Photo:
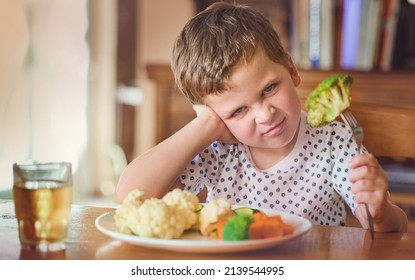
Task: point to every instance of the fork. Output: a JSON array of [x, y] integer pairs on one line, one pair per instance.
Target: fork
[[357, 131]]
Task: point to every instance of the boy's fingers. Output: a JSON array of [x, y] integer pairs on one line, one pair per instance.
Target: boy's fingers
[[363, 159], [367, 172]]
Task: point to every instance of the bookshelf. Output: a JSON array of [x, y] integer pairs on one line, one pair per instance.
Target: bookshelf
[[362, 35]]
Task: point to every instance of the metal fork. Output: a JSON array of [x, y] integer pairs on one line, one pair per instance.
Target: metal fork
[[357, 130]]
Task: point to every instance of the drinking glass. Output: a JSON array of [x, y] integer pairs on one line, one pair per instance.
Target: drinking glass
[[42, 194]]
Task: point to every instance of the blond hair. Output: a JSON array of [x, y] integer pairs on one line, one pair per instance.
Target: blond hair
[[216, 40]]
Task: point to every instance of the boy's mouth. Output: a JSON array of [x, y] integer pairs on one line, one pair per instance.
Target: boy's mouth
[[276, 129]]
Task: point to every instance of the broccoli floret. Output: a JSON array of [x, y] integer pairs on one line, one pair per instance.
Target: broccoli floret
[[237, 228], [327, 101]]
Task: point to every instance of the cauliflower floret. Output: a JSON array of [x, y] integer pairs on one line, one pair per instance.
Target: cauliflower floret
[[134, 197], [182, 199], [162, 218], [126, 213], [211, 213], [184, 202], [158, 219]]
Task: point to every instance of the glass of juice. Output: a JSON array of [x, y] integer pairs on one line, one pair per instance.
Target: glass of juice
[[42, 193]]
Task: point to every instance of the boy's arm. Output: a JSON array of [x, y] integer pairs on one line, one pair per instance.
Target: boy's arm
[[156, 171]]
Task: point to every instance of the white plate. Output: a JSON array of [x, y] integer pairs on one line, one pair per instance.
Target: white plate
[[195, 242]]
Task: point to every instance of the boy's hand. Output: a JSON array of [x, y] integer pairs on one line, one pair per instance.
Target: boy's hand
[[370, 185], [220, 130]]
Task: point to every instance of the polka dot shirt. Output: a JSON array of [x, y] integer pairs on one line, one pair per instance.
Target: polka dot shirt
[[312, 181]]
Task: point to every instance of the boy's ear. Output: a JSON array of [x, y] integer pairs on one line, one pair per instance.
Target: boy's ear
[[293, 72]]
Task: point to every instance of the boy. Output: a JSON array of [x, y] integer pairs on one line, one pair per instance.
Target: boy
[[250, 141]]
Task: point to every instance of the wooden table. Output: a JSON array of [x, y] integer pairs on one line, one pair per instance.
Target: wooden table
[[85, 242]]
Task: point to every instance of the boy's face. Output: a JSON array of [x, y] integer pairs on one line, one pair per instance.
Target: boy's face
[[260, 105]]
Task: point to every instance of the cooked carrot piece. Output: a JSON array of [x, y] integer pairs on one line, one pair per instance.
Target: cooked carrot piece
[[268, 226], [273, 228], [288, 229], [256, 229], [259, 216]]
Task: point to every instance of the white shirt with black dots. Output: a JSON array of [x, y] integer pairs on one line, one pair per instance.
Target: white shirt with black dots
[[312, 181]]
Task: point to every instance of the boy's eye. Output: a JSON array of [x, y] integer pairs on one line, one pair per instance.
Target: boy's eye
[[238, 111], [269, 89]]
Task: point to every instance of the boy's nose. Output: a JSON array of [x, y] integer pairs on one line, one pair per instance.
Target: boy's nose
[[264, 113]]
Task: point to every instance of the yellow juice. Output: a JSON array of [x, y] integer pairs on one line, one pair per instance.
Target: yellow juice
[[42, 210]]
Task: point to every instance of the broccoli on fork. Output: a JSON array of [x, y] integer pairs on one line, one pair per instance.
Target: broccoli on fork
[[327, 101]]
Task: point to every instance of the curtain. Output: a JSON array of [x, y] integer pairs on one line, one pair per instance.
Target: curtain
[[44, 68]]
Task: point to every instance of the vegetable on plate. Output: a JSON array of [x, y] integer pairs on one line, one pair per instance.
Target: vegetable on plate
[[251, 224]]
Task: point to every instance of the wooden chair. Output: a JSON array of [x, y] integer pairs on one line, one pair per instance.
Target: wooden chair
[[389, 132]]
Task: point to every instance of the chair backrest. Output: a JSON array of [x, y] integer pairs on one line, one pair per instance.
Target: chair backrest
[[389, 131]]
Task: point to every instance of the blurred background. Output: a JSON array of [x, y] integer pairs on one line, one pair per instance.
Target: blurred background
[[73, 85], [89, 82]]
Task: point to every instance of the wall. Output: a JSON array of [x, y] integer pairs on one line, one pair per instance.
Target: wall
[[159, 23], [74, 117], [44, 61]]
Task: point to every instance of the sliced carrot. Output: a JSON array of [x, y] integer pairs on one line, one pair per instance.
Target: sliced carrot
[[265, 226], [273, 228], [256, 229], [288, 229], [259, 216]]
